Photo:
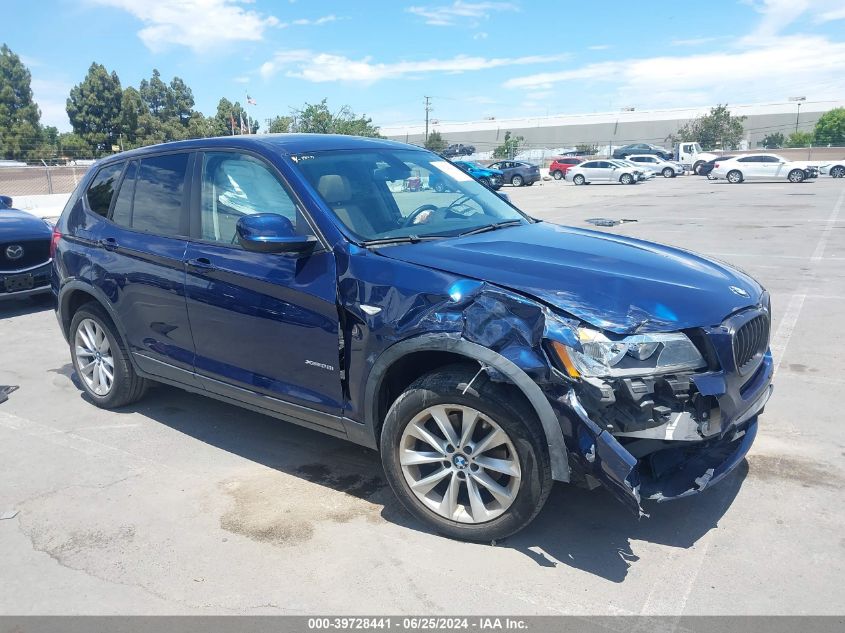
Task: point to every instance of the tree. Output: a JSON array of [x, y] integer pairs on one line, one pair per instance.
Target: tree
[[132, 109], [510, 147], [800, 139], [717, 129], [94, 108], [180, 101], [773, 141], [228, 119], [435, 142], [830, 128], [20, 129], [71, 145], [316, 118], [280, 124], [200, 126], [155, 95]]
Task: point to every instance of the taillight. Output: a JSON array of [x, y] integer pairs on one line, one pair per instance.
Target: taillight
[[54, 241], [716, 166]]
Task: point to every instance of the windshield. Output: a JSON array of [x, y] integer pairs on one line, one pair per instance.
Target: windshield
[[385, 193]]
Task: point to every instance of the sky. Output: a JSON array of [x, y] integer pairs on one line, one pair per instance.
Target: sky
[[475, 59]]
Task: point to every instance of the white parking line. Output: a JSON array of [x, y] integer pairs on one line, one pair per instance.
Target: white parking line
[[787, 325], [833, 219]]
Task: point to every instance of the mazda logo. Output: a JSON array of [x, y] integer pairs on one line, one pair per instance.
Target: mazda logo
[[15, 251]]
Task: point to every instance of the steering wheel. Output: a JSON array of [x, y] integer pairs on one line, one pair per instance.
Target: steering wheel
[[409, 221]]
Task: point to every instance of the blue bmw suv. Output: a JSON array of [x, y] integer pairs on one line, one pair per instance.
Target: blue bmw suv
[[483, 353]]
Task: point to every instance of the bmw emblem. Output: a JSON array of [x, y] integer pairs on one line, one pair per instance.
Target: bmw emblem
[[739, 291], [14, 251]]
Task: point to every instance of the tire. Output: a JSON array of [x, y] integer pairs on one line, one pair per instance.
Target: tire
[[626, 179], [484, 181], [522, 475], [734, 176], [837, 171], [517, 181], [557, 174], [796, 176], [579, 179], [696, 169], [668, 172], [94, 340], [439, 187]]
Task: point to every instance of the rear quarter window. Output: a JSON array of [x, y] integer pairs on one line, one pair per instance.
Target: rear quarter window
[[159, 205], [101, 190]]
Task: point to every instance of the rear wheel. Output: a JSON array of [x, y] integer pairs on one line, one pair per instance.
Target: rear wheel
[[579, 179], [838, 171], [517, 181], [557, 174], [464, 456], [101, 361], [626, 179], [734, 176], [796, 175], [668, 172]]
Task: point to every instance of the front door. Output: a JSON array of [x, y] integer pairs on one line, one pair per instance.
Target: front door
[[265, 325]]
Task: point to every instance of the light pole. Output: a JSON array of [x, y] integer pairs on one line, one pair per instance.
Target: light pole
[[797, 101]]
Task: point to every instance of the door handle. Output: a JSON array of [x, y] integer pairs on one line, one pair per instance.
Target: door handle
[[200, 263], [109, 243]]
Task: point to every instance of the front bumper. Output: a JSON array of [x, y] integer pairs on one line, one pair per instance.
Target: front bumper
[[18, 284]]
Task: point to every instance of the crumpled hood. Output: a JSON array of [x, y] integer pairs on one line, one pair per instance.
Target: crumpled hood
[[612, 282], [20, 225]]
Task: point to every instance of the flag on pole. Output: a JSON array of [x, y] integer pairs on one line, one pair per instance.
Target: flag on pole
[[250, 100]]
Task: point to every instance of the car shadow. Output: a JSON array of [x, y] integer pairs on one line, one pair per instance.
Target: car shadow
[[28, 305], [586, 530]]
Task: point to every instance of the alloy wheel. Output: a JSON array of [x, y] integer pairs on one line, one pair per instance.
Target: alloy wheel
[[459, 463], [94, 358], [516, 181], [838, 172]]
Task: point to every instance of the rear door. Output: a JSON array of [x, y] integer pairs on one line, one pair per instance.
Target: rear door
[[751, 168], [141, 268], [265, 325]]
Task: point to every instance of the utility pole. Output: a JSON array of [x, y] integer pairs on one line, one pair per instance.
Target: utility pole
[[428, 109]]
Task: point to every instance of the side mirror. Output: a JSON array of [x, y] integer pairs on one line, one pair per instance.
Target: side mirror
[[6, 201], [272, 233]]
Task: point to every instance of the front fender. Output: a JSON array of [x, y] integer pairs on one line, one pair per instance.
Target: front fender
[[486, 357]]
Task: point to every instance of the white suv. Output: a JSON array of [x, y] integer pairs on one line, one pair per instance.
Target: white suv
[[668, 168]]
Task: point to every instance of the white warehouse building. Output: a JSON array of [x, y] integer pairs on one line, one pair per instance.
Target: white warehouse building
[[614, 129]]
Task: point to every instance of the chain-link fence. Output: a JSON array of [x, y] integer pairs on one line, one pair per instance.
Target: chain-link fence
[[32, 180]]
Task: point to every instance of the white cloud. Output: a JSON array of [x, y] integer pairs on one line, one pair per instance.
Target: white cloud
[[326, 19], [459, 12], [789, 65], [481, 35], [323, 67], [695, 41], [198, 24], [598, 47]]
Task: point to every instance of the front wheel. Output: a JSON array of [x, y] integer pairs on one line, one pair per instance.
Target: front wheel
[[697, 168], [464, 456], [579, 179], [838, 171], [734, 176], [796, 175], [517, 181], [626, 179], [668, 172], [484, 181], [439, 187]]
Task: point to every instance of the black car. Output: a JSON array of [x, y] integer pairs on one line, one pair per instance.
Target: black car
[[24, 252], [458, 149], [706, 168], [642, 148], [517, 173]]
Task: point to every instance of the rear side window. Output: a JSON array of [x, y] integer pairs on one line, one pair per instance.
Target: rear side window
[[159, 196], [101, 189], [122, 212]]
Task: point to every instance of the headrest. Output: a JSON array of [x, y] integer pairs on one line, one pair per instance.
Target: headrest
[[334, 188]]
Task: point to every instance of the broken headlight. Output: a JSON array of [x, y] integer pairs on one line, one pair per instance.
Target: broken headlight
[[634, 355]]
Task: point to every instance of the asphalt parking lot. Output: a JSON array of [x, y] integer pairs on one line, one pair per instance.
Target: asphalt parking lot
[[181, 504]]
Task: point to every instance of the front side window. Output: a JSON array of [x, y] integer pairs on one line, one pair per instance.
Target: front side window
[[235, 185], [101, 189], [159, 206], [385, 194]]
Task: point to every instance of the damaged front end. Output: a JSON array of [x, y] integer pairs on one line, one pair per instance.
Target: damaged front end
[[662, 431]]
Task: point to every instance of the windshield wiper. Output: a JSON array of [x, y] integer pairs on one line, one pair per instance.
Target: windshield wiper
[[490, 227], [404, 239]]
